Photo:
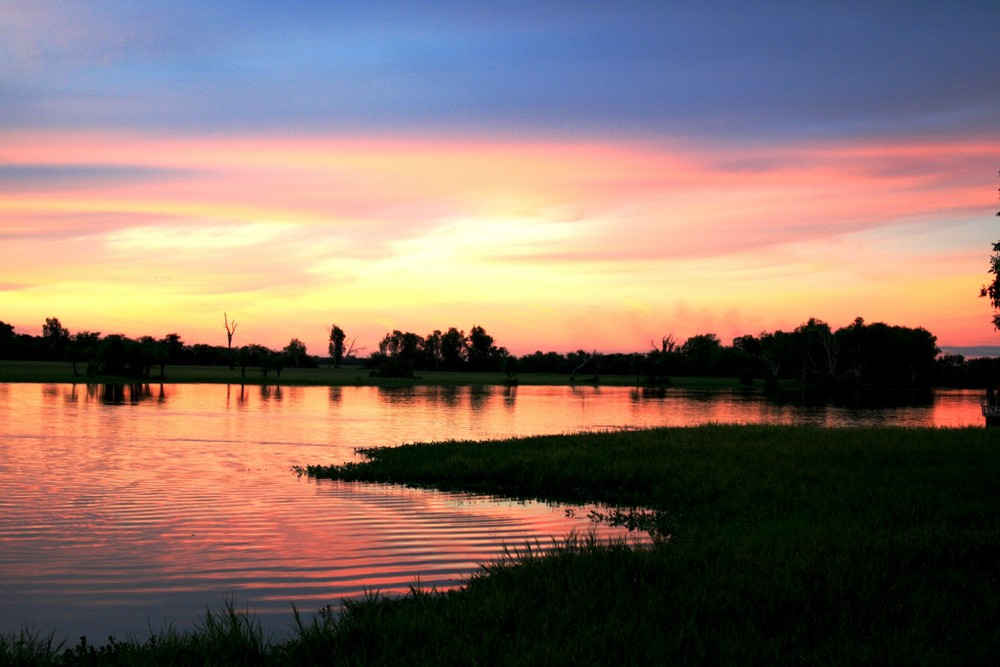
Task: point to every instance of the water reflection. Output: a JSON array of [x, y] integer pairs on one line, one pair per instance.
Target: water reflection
[[126, 506], [489, 409], [858, 399], [271, 392]]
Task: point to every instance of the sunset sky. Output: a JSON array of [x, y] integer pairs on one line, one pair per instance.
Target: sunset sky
[[565, 174]]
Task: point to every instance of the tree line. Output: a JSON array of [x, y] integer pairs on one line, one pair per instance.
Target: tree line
[[146, 357], [859, 354]]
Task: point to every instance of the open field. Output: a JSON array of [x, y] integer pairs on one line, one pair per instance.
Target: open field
[[62, 372], [774, 545]]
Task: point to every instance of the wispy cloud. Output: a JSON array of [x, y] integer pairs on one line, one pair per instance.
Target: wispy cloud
[[616, 171]]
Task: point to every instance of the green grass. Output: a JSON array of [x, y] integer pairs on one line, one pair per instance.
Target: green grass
[[62, 372], [776, 545]]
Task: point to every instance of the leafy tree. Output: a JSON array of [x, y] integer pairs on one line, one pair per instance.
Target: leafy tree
[[483, 354], [278, 362], [510, 369], [337, 337], [172, 347], [150, 352], [7, 340], [85, 347], [432, 350], [853, 343], [295, 352], [701, 354], [398, 354], [919, 349], [453, 348], [992, 291], [114, 353], [814, 351], [258, 355], [55, 337], [244, 358]]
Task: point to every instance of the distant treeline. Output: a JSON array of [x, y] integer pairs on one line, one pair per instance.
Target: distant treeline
[[859, 354], [142, 358]]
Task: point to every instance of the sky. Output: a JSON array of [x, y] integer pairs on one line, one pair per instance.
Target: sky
[[567, 175]]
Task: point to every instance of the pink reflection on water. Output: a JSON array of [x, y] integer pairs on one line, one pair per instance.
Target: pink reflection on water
[[130, 507], [127, 508]]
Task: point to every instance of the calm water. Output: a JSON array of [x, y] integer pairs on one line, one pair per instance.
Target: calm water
[[124, 509]]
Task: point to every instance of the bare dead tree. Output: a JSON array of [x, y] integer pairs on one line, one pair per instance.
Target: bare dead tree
[[230, 330], [351, 349], [667, 344]]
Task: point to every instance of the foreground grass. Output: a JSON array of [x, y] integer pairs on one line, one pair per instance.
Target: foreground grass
[[353, 376], [777, 545]]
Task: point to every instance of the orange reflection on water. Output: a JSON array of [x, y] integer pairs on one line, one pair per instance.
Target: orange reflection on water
[[126, 507]]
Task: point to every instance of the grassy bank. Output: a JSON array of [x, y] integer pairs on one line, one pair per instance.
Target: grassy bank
[[61, 372], [778, 545]]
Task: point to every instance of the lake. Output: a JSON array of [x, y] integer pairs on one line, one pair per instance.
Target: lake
[[126, 508]]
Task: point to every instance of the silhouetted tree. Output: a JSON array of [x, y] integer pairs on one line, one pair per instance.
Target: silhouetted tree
[[6, 340], [55, 337], [114, 353], [745, 358], [776, 350], [655, 367], [151, 352], [278, 362], [853, 344], [398, 354], [432, 350], [453, 348], [337, 337], [586, 362], [814, 354], [992, 290], [701, 354], [230, 330], [172, 347], [295, 352], [510, 366], [483, 354], [84, 348], [919, 348]]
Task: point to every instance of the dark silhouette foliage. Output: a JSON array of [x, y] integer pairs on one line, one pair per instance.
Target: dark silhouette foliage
[[337, 338], [860, 354]]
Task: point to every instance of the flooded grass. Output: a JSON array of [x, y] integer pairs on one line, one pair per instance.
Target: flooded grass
[[788, 545]]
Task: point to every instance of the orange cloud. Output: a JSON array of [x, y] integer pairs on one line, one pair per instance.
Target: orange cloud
[[548, 245]]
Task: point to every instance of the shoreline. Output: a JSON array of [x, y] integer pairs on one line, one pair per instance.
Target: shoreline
[[774, 544]]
